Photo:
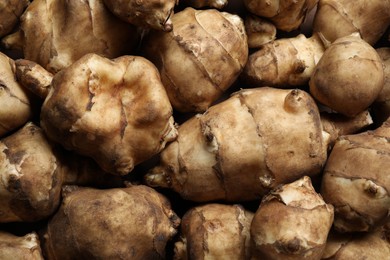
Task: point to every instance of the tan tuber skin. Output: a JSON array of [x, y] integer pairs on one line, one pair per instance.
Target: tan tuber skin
[[10, 11], [348, 77], [16, 104], [134, 222], [280, 145], [292, 222], [284, 63], [200, 58], [356, 180], [338, 18], [259, 31], [25, 247], [155, 14], [32, 172], [218, 4], [50, 30], [214, 231], [287, 15], [114, 111]]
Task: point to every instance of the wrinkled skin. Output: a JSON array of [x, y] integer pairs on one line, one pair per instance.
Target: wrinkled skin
[[214, 231], [52, 28], [24, 247], [238, 151], [301, 227], [134, 222], [287, 15], [155, 14], [114, 111], [10, 11], [356, 180], [200, 58], [348, 77], [16, 103]]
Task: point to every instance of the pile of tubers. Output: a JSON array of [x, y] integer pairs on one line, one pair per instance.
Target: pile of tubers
[[182, 129]]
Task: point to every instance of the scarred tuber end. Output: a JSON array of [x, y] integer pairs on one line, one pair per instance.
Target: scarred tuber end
[[157, 177], [168, 26], [294, 101]]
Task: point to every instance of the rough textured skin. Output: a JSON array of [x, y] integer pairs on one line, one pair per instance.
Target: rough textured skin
[[155, 14], [218, 4], [301, 227], [339, 18], [16, 108], [115, 111], [287, 15], [284, 62], [200, 58], [372, 245], [215, 231], [26, 247], [259, 31], [348, 77], [356, 180], [64, 24], [31, 176], [10, 11], [238, 150], [134, 222], [381, 106]]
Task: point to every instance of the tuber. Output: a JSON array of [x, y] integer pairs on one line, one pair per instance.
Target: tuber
[[155, 14], [259, 31], [120, 223], [218, 4], [26, 247], [292, 222], [356, 180], [348, 77], [200, 58], [284, 63], [244, 146], [10, 11], [214, 231]]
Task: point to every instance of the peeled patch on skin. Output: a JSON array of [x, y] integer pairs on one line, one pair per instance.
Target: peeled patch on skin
[[115, 111]]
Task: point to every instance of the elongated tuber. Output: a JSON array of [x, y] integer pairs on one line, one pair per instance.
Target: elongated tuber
[[284, 63], [134, 222], [200, 58], [20, 247], [292, 222], [215, 231], [356, 180], [280, 145]]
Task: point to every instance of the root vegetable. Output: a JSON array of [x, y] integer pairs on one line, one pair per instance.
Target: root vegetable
[[200, 58], [134, 222], [285, 62], [16, 106], [287, 15], [215, 231], [50, 30], [20, 247], [114, 111], [348, 77], [356, 180], [238, 150], [338, 18], [259, 31], [154, 14], [292, 222], [10, 11], [218, 4]]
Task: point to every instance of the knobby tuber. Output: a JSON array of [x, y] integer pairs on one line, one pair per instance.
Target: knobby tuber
[[134, 222], [155, 14], [285, 62], [50, 30], [356, 180], [338, 18], [259, 31], [214, 231], [10, 11], [348, 77], [287, 15], [200, 58], [25, 247], [114, 111], [280, 145], [292, 222]]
